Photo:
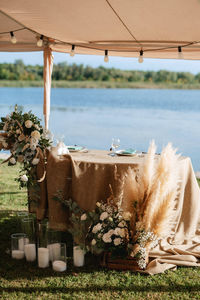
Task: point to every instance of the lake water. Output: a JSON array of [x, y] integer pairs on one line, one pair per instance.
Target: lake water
[[91, 117]]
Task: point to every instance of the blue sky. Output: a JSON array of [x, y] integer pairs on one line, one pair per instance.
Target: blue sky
[[116, 62]]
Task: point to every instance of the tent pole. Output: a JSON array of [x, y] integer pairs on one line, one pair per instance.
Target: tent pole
[[47, 71]]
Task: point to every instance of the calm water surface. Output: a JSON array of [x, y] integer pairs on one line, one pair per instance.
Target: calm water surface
[[91, 117]]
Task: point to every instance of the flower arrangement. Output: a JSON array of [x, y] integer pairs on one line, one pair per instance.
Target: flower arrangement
[[110, 229], [154, 190], [23, 135], [106, 228]]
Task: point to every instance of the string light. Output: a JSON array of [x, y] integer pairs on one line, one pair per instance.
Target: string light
[[180, 53], [40, 41], [106, 58], [13, 38], [140, 58], [72, 53]]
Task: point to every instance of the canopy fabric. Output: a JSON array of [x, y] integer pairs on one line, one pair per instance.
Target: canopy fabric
[[93, 26]]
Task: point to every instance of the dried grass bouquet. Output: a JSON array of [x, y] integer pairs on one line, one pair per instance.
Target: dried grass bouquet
[[154, 190]]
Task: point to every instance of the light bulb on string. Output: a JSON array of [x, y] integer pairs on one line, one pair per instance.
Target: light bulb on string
[[13, 38], [140, 58], [40, 41], [106, 58], [180, 53], [72, 53]]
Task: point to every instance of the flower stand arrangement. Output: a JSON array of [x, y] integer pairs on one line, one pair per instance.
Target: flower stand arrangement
[[104, 231], [23, 135]]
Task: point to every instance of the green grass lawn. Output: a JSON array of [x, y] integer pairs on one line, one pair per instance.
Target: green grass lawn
[[21, 280]]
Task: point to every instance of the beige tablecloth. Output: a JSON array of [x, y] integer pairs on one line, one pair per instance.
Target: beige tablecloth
[[85, 177]]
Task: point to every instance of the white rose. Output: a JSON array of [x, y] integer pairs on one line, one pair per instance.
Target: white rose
[[83, 217], [106, 238], [28, 124], [119, 231], [98, 204], [35, 134], [37, 127], [12, 161], [122, 233], [110, 232], [103, 216], [18, 131], [21, 137], [99, 235], [126, 216], [117, 241], [33, 147], [33, 140], [96, 228], [24, 178], [122, 224], [93, 242], [35, 161]]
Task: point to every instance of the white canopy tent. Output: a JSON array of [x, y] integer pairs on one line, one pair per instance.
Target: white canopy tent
[[129, 28]]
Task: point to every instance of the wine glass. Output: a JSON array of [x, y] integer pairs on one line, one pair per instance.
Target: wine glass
[[115, 144], [59, 138]]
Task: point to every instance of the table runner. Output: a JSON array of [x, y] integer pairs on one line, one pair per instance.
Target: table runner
[[85, 177]]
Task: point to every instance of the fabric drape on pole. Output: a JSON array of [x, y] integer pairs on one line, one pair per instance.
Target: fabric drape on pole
[[48, 68]]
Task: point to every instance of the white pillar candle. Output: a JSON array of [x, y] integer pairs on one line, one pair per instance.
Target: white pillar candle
[[21, 244], [78, 256], [26, 241], [30, 252], [59, 266], [54, 251], [17, 254], [43, 257]]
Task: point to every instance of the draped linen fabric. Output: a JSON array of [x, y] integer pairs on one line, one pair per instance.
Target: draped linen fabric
[[48, 68], [87, 177]]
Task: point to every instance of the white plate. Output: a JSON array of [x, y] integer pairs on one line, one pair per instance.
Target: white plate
[[75, 150], [122, 153]]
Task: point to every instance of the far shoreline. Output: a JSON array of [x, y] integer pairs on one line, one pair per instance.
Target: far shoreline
[[100, 85]]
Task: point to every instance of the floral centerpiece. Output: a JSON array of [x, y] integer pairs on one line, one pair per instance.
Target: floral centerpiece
[[110, 229], [23, 135], [104, 229]]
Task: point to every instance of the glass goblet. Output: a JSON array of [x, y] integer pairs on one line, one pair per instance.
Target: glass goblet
[[115, 144]]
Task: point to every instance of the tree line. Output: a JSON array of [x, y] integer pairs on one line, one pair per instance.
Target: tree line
[[73, 72]]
